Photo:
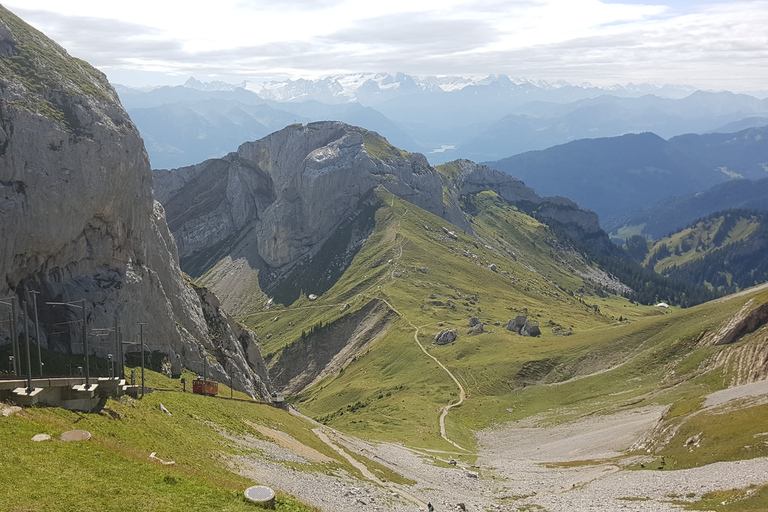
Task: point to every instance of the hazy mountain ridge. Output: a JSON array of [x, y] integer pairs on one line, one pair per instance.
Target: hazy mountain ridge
[[675, 213], [614, 176], [369, 88], [475, 118]]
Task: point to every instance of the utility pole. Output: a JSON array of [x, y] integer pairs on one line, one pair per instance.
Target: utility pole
[[12, 366], [14, 335], [141, 334], [30, 389], [37, 333], [117, 350], [85, 346], [205, 372], [85, 337]]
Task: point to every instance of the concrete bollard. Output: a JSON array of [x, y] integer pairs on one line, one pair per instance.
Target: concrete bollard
[[262, 496]]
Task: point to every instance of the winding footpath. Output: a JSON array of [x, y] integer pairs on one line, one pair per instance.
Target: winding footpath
[[462, 393]]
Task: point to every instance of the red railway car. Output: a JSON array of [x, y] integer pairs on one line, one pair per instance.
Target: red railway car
[[211, 387]]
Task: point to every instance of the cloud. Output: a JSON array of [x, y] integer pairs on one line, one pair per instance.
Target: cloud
[[104, 44], [710, 43], [417, 33]]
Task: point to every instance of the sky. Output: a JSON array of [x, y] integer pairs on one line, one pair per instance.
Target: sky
[[709, 44]]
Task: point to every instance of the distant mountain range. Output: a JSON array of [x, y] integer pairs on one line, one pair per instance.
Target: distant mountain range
[[675, 213], [443, 117], [617, 175]]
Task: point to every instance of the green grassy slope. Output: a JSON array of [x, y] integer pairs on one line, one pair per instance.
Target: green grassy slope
[[392, 390], [113, 470], [724, 250], [619, 354]]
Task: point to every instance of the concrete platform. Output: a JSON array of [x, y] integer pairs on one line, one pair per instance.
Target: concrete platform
[[26, 398]]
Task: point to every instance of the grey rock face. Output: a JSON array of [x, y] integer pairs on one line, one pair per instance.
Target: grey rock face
[[524, 327], [78, 219], [295, 185], [277, 200], [473, 178], [446, 336]]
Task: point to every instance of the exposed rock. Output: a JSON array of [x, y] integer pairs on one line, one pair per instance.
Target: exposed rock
[[41, 437], [277, 200], [747, 320], [478, 329], [471, 178], [79, 220], [446, 336], [312, 297], [451, 234], [493, 267], [474, 321], [8, 410], [325, 351], [524, 327]]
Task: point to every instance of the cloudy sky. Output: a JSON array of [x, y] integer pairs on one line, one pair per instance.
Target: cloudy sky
[[707, 43]]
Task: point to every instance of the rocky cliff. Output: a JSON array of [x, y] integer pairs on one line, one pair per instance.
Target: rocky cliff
[[463, 177], [79, 221], [291, 206], [276, 202]]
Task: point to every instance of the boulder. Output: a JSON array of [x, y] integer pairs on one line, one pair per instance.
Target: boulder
[[446, 336], [524, 327]]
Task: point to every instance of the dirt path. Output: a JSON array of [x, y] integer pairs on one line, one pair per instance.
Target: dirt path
[[322, 435], [462, 393]]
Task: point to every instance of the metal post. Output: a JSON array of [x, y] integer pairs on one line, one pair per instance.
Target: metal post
[[37, 333], [205, 373], [117, 349], [85, 346], [15, 339], [26, 337], [122, 352], [141, 330], [12, 357]]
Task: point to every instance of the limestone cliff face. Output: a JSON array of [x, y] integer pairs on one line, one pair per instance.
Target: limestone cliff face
[[77, 213], [465, 177], [298, 183], [277, 201], [271, 207]]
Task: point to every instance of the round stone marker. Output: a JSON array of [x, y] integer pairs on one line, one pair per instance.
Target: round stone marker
[[41, 437], [261, 495], [75, 435]]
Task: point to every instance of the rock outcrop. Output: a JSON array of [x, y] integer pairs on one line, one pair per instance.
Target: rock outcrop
[[747, 320], [446, 336], [272, 207], [275, 202], [524, 327], [78, 219], [464, 177]]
